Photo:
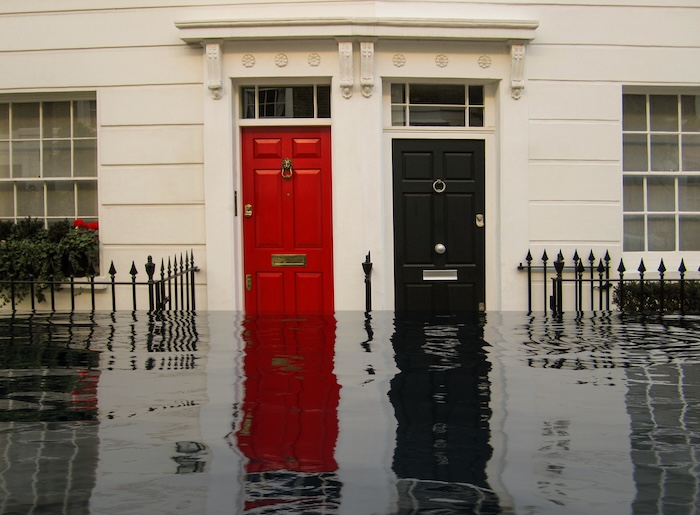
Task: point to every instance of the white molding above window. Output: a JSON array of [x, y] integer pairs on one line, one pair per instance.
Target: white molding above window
[[196, 31]]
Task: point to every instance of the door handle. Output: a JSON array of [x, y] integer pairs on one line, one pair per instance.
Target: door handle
[[479, 220], [248, 210], [440, 248], [248, 282]]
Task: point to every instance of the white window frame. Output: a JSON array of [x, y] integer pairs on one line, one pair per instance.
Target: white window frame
[[645, 175], [42, 182]]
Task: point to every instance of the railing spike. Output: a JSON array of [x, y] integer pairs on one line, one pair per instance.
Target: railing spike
[[133, 270], [591, 257], [576, 258], [682, 269], [607, 257], [528, 258], [662, 267], [621, 268], [580, 268], [641, 267], [601, 267], [545, 257], [560, 256], [112, 270]]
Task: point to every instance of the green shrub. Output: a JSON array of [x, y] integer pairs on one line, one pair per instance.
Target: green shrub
[[630, 298], [31, 252]]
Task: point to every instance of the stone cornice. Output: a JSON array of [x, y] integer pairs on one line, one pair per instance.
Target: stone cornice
[[389, 28]]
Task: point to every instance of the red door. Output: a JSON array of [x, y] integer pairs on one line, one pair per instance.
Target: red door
[[287, 229]]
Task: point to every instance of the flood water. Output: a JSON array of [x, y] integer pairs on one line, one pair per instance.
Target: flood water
[[218, 413]]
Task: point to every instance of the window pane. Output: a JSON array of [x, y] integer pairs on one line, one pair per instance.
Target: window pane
[[398, 116], [689, 193], [85, 155], [476, 95], [633, 233], [689, 229], [663, 112], [691, 152], [437, 116], [25, 121], [57, 158], [30, 199], [690, 113], [323, 101], [248, 102], [4, 121], [661, 233], [661, 194], [7, 200], [56, 119], [4, 160], [85, 116], [271, 102], [476, 117], [60, 200], [633, 194], [634, 153], [87, 199], [664, 153], [437, 94], [25, 159], [634, 113], [398, 93], [303, 102]]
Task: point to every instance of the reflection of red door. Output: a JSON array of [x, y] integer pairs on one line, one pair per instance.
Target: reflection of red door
[[291, 395], [287, 224]]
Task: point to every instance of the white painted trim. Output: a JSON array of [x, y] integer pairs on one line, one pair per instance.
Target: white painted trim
[[197, 31]]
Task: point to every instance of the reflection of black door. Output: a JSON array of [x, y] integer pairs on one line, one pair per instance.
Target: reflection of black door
[[439, 225], [441, 402]]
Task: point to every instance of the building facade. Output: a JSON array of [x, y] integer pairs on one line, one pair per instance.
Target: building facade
[[287, 143]]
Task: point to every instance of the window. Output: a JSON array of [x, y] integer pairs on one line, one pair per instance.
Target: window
[[285, 102], [661, 172], [437, 105], [48, 160]]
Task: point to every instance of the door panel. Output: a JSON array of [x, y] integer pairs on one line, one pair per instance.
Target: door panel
[[438, 192], [287, 230]]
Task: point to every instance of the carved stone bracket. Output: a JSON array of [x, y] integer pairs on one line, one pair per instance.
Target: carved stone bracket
[[367, 67], [212, 54], [517, 69], [346, 67]]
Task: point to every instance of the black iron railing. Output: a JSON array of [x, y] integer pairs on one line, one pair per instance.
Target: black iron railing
[[581, 284], [171, 288]]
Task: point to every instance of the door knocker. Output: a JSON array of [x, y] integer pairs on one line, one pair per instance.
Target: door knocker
[[286, 168], [439, 186]]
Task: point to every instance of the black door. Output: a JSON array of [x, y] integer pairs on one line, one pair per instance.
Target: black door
[[439, 225]]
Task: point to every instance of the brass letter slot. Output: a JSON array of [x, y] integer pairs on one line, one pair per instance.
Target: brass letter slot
[[288, 259]]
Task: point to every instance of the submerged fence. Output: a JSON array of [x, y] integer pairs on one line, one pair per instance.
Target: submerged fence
[[591, 283], [170, 288]]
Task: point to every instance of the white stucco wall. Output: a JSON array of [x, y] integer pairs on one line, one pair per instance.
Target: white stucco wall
[[169, 157]]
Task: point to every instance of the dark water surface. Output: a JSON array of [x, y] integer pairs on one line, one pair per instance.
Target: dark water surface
[[217, 413]]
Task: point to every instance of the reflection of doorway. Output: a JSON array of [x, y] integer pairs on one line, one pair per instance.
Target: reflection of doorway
[[290, 415], [439, 203], [441, 402], [287, 224]]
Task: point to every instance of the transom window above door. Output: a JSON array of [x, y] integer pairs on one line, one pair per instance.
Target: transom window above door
[[437, 105], [306, 101]]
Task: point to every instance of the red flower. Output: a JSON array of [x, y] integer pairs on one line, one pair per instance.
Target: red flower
[[79, 223], [93, 226]]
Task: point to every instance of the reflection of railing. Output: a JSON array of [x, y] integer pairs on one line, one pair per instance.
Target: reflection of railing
[[593, 287], [172, 289]]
